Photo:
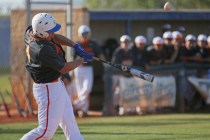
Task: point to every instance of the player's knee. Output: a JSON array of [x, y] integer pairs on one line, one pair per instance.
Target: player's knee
[[46, 137], [47, 134]]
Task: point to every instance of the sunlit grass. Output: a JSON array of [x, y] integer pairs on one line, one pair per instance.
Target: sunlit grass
[[151, 127], [4, 82]]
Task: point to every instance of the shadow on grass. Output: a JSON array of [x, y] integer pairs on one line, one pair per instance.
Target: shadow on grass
[[14, 131], [142, 134], [191, 119], [135, 124]]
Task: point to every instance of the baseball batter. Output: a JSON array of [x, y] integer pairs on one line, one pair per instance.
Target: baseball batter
[[45, 63]]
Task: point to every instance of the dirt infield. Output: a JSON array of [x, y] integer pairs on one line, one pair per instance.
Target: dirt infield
[[15, 117]]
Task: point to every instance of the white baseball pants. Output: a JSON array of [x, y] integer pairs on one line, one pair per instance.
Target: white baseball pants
[[84, 84], [54, 109]]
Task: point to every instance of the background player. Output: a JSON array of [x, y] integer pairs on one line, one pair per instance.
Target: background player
[[84, 73]]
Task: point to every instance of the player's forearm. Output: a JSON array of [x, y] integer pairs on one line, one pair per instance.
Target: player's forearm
[[71, 65], [62, 40]]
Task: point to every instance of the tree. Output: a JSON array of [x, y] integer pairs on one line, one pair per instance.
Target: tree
[[146, 4]]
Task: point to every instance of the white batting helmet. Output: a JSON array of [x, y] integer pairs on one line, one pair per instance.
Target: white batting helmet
[[124, 38], [83, 29], [140, 39], [44, 23], [202, 37]]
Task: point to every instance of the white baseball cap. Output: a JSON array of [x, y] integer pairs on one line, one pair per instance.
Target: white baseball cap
[[83, 29], [202, 37], [190, 37], [140, 39], [157, 40], [124, 38], [167, 35], [176, 35]]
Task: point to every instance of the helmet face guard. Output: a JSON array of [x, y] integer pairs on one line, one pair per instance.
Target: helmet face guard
[[43, 24]]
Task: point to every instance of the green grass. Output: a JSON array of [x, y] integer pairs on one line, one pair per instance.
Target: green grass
[[151, 127], [4, 83]]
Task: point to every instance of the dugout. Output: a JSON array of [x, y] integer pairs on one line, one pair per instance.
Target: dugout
[[113, 24], [104, 24]]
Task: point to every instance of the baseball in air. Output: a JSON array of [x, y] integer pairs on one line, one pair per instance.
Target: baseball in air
[[167, 6]]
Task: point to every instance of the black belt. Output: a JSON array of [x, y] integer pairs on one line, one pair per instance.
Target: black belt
[[56, 80]]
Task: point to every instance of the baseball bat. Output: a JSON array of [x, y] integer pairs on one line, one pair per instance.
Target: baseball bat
[[134, 72], [21, 111], [5, 105]]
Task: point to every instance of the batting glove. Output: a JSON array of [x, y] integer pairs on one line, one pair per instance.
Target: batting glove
[[88, 57], [79, 50]]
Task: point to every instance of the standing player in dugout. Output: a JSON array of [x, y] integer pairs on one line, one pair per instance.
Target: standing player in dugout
[[45, 62], [84, 75]]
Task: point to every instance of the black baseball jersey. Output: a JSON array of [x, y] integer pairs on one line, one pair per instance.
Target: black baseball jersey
[[44, 58], [139, 57], [184, 52], [120, 56], [169, 50], [204, 52], [154, 55]]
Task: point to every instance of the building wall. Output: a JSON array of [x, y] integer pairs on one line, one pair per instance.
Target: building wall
[[101, 30]]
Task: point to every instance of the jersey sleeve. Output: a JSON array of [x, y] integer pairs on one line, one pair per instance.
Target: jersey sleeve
[[117, 56], [50, 58], [97, 48]]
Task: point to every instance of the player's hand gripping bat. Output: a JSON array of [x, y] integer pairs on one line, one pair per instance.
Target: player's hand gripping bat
[[132, 71]]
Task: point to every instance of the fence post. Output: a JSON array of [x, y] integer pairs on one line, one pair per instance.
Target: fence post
[[108, 92], [181, 85]]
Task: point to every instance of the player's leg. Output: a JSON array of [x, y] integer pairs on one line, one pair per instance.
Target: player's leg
[[68, 122], [87, 88], [79, 79], [84, 84], [50, 109]]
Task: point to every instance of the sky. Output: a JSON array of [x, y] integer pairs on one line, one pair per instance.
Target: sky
[[5, 4]]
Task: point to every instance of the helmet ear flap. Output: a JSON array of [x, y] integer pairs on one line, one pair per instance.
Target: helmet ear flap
[[43, 34]]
